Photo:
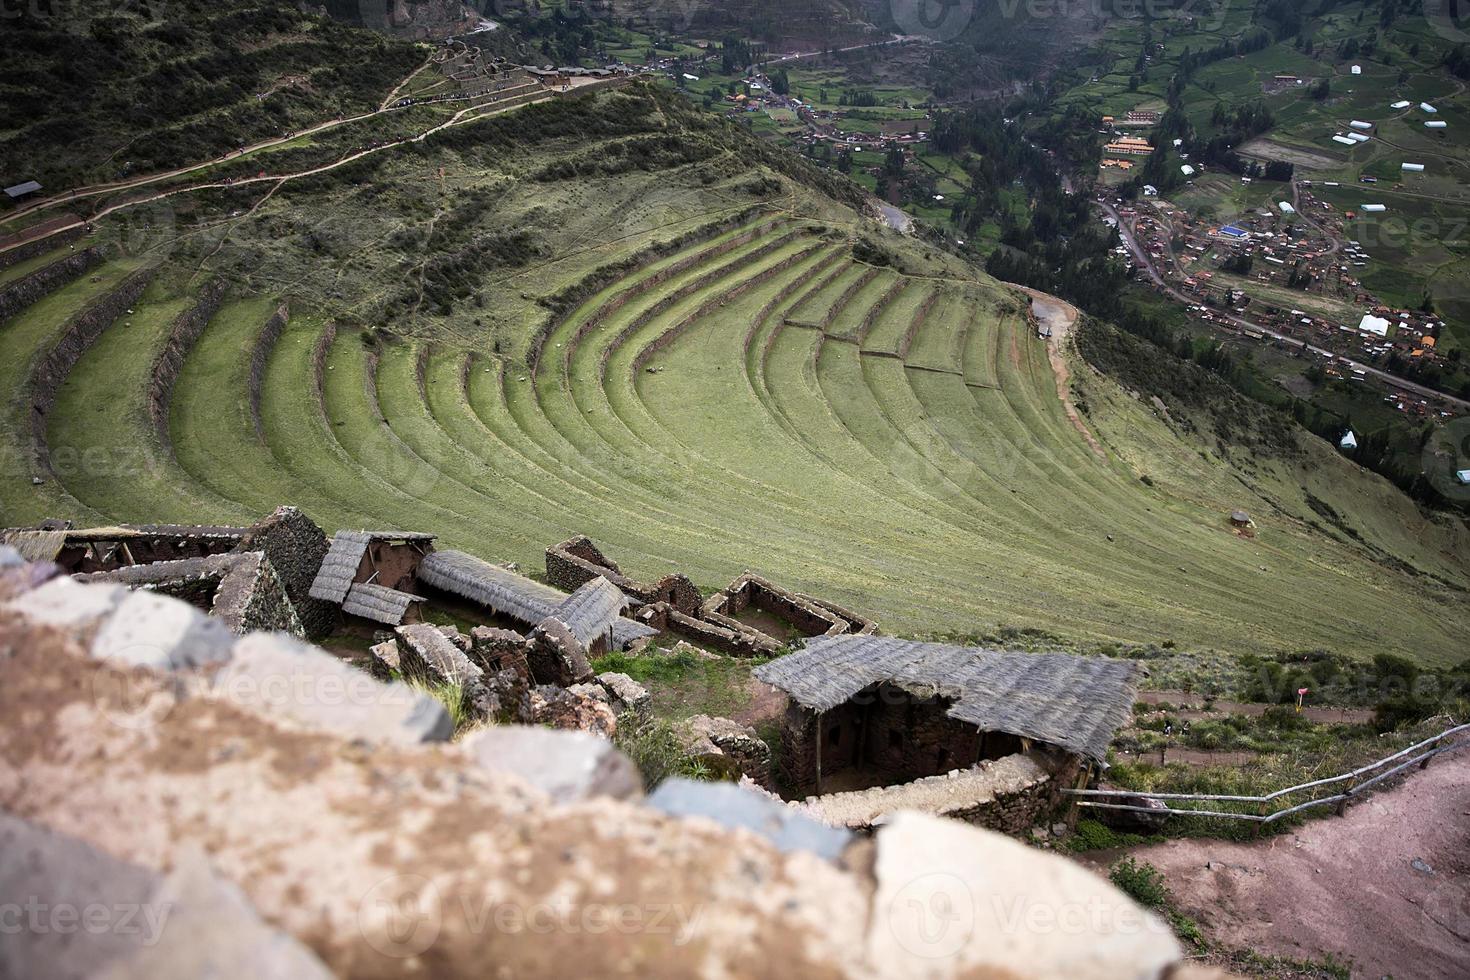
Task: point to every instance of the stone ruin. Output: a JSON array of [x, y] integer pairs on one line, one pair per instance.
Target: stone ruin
[[255, 577], [263, 808], [674, 605]]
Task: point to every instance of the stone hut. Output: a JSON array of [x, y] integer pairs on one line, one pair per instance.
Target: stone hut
[[369, 573], [871, 711]]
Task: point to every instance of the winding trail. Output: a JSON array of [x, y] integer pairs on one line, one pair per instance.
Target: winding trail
[[1059, 317]]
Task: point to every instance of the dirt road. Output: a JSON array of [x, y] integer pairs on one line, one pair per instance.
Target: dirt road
[[1058, 317], [1387, 885]]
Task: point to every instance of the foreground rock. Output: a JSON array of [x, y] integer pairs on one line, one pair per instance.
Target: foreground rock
[[385, 858]]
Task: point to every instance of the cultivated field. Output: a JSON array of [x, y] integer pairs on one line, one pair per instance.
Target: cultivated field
[[756, 398]]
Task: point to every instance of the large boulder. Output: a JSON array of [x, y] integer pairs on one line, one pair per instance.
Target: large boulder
[[84, 913], [982, 904], [567, 766], [303, 686]]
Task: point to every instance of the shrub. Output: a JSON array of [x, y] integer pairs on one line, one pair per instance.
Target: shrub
[[1141, 882]]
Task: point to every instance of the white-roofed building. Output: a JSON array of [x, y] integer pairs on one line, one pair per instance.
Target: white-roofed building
[[1376, 325]]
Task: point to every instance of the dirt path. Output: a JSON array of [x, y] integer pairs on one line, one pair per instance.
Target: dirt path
[[1387, 885], [1059, 317]]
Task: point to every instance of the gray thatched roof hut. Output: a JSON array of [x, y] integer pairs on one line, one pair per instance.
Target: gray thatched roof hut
[[1077, 703], [344, 558], [378, 603], [509, 594], [593, 610], [339, 568]]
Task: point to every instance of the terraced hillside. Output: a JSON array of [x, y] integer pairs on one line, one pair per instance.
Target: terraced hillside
[[755, 399]]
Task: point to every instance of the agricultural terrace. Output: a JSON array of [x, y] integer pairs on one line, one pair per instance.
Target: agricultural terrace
[[756, 398]]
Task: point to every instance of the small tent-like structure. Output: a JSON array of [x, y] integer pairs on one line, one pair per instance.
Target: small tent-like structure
[[1348, 442]]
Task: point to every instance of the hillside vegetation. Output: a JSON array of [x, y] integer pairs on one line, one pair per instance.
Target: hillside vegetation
[[707, 365], [92, 94]]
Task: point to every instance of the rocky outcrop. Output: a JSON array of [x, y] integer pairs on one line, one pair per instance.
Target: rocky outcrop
[[46, 280], [383, 856]]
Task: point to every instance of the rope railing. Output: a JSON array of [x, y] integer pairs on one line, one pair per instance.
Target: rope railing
[[1413, 753]]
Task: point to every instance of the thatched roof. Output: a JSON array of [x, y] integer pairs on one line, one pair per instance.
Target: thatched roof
[[503, 591], [339, 568], [1077, 703], [592, 610], [378, 603], [36, 545]]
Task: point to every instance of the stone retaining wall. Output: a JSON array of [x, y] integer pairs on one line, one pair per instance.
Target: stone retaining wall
[[672, 298], [260, 353], [671, 334], [1010, 795], [45, 280], [564, 303], [752, 590], [28, 251], [49, 371], [181, 339], [920, 316]]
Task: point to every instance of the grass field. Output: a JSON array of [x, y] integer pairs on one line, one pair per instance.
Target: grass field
[[758, 399]]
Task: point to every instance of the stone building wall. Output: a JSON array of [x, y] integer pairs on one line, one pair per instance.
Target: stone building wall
[[749, 590], [47, 375], [577, 561], [45, 280], [253, 598], [295, 547]]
